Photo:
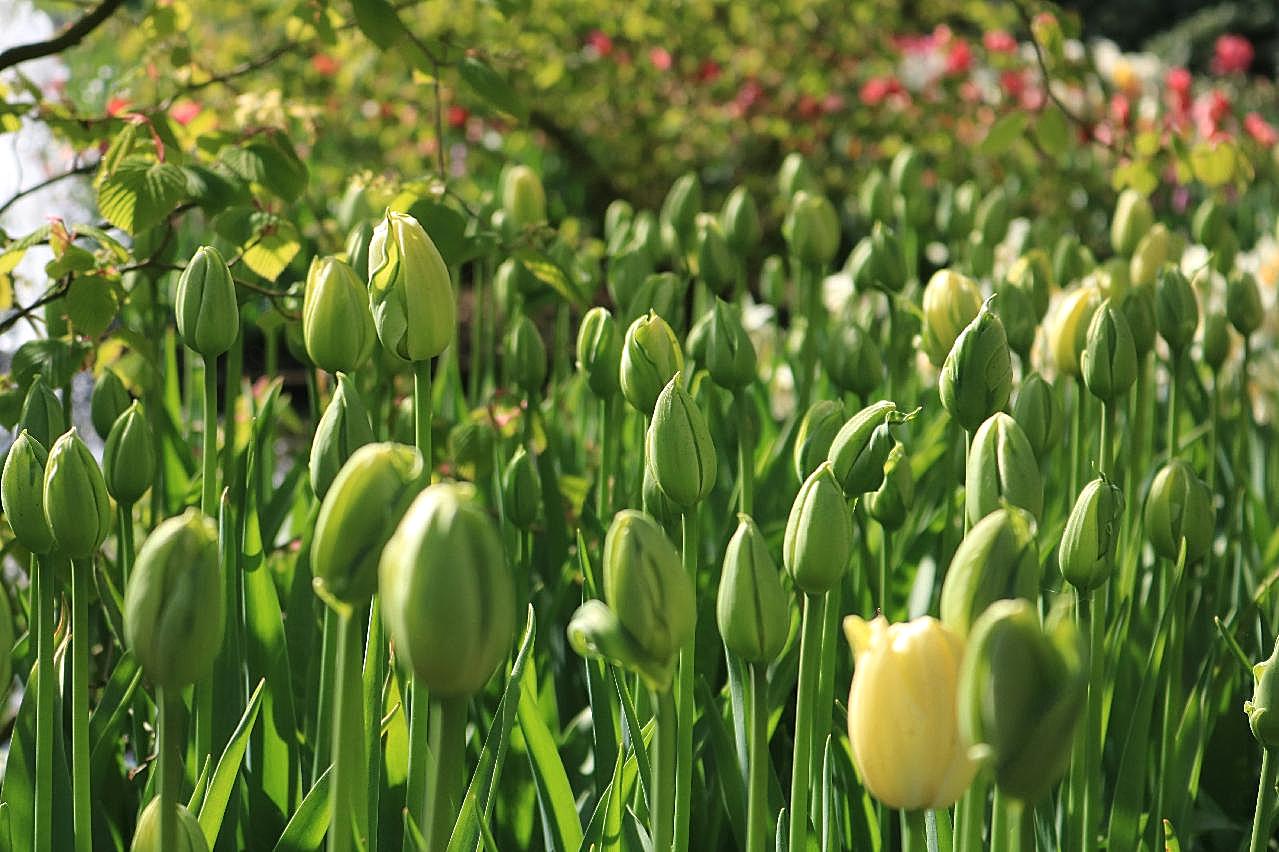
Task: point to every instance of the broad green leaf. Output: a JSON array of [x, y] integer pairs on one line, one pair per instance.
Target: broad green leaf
[[1003, 133], [213, 808], [92, 305], [120, 148], [1052, 131], [57, 359], [1213, 163], [445, 225], [270, 253], [139, 194], [216, 188], [270, 161], [309, 823], [492, 87], [554, 794]]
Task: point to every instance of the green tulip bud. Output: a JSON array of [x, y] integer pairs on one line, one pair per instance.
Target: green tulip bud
[[42, 413], [1087, 548], [1022, 690], [951, 301], [852, 360], [521, 490], [108, 402], [1154, 250], [410, 291], [819, 534], [1038, 413], [448, 594], [75, 498], [679, 448], [875, 198], [955, 209], [1179, 506], [1208, 222], [189, 836], [599, 351], [208, 314], [1176, 310], [1223, 254], [714, 260], [173, 602], [618, 217], [1032, 273], [679, 213], [22, 494], [646, 235], [128, 460], [1263, 716], [877, 262], [992, 216], [860, 448], [1243, 303], [342, 430], [740, 219], [523, 198], [1113, 278], [751, 608], [655, 501], [524, 355], [896, 495], [1138, 305], [1133, 218], [1216, 340], [981, 256], [697, 343], [977, 376], [650, 357], [1001, 469], [1109, 360], [794, 176], [627, 272], [811, 229], [349, 538], [336, 324], [906, 171], [817, 430], [1066, 327], [470, 444], [730, 355], [662, 294], [997, 559], [357, 253], [772, 280], [1015, 306]]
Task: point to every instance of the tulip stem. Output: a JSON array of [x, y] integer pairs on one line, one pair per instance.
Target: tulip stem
[[686, 708], [124, 541], [327, 694], [166, 735], [1264, 813], [757, 829], [915, 832], [81, 569], [209, 506], [416, 786], [970, 816], [883, 570], [810, 649], [1174, 370], [745, 454], [1021, 817], [665, 746], [445, 764], [606, 447], [44, 590], [1105, 464], [347, 790]]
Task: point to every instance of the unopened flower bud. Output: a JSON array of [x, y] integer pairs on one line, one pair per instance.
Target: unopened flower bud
[[1001, 470], [599, 351], [1243, 303], [712, 257], [795, 175], [108, 402], [188, 835], [75, 498], [1022, 690], [730, 355], [1179, 506], [679, 213], [772, 280], [992, 216], [336, 324], [1154, 250], [860, 448], [1216, 340], [1070, 260], [740, 220], [22, 493], [981, 256], [1015, 306], [207, 312], [1066, 327], [955, 209], [357, 253], [128, 459], [523, 198], [173, 603], [997, 559], [811, 229], [447, 592], [951, 301], [1133, 218], [618, 217], [343, 429], [751, 608], [1038, 413], [1138, 305], [906, 171], [891, 504], [349, 538], [903, 724], [410, 291], [818, 428], [524, 355], [1263, 709], [875, 198], [1108, 363], [1176, 310], [521, 490], [976, 378], [852, 360], [650, 356], [1087, 548], [819, 534], [41, 413], [1032, 273], [877, 261], [1208, 222], [679, 447]]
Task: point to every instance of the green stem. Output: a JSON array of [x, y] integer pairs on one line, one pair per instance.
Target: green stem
[[1076, 439], [665, 745], [970, 816], [124, 540], [1175, 370], [422, 412], [347, 791], [45, 591], [883, 570], [914, 831], [810, 648], [1022, 826], [745, 455], [419, 741], [757, 828], [82, 819], [1105, 464], [166, 738], [329, 632], [1092, 625], [374, 679], [686, 708], [209, 506], [1264, 813], [446, 765], [601, 479]]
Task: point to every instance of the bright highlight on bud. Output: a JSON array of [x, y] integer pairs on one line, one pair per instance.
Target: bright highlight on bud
[[410, 292]]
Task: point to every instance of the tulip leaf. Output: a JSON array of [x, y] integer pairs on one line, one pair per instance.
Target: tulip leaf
[[201, 787], [107, 719], [727, 768], [554, 793], [309, 823], [18, 788], [140, 193], [213, 808], [492, 87]]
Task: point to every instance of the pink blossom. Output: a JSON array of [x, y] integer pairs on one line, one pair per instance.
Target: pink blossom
[[999, 41], [960, 57], [1013, 83], [1231, 55], [876, 89], [708, 71], [324, 64], [1260, 129], [1120, 108], [1178, 80], [660, 57], [458, 115], [184, 112], [600, 42], [117, 105]]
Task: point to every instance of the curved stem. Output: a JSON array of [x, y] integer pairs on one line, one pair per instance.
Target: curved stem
[[166, 740], [757, 829], [810, 647], [327, 694], [445, 768], [44, 589], [1264, 812], [664, 748], [686, 710], [82, 819]]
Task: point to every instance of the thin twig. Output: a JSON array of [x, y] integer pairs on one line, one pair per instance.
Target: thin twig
[[20, 312], [69, 37], [76, 169]]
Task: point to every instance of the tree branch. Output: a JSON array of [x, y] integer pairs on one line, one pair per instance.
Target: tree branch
[[70, 37], [76, 169]]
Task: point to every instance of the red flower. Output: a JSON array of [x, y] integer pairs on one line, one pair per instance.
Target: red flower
[[1232, 54], [1013, 83], [999, 41], [1178, 80], [660, 57], [876, 89], [832, 103], [1260, 129], [1209, 110], [1120, 109], [708, 71], [184, 112], [960, 57], [808, 107], [116, 106], [748, 95], [324, 64], [457, 115], [600, 42]]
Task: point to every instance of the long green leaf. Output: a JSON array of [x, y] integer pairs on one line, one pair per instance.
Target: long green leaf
[[215, 800], [554, 795], [306, 829]]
